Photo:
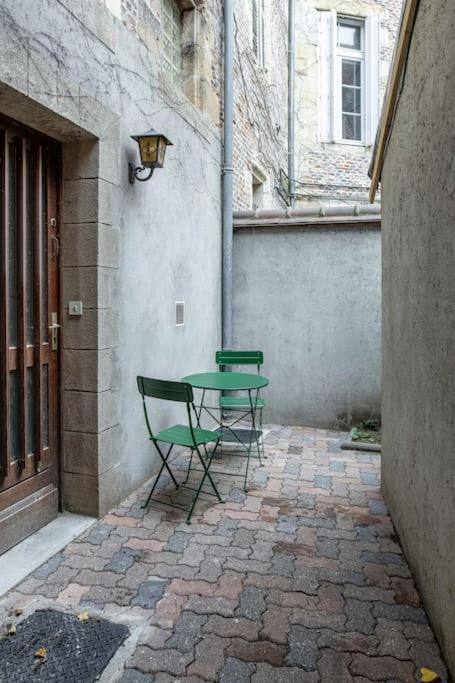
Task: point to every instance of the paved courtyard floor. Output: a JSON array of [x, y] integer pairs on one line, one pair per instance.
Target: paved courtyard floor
[[301, 579]]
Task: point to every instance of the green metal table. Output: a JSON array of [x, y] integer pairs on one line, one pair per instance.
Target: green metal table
[[230, 381]]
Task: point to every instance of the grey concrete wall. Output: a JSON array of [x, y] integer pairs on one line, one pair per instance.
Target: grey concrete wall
[[73, 71], [418, 470], [310, 299]]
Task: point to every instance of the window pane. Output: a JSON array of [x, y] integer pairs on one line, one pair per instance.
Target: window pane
[[45, 399], [350, 72], [44, 264], [14, 442], [31, 394], [349, 35], [30, 246], [352, 127], [171, 24], [348, 96], [351, 100], [12, 244]]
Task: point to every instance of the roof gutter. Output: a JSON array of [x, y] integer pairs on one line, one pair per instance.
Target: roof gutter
[[393, 91]]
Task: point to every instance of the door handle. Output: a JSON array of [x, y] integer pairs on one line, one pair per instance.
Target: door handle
[[54, 328]]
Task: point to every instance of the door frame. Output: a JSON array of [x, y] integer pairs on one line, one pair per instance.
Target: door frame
[[31, 486]]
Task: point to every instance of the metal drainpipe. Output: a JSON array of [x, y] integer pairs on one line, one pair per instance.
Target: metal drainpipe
[[291, 101], [228, 174]]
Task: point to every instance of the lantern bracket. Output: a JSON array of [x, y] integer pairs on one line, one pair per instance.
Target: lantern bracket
[[133, 173]]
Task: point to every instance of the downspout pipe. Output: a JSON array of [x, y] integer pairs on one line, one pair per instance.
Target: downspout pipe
[[228, 175], [291, 101]]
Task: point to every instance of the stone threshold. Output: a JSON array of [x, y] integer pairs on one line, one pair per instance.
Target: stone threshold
[[33, 551]]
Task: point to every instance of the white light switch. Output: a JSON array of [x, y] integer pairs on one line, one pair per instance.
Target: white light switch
[[75, 307]]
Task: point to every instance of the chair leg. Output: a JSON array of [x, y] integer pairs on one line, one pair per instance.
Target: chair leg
[[203, 478], [164, 464], [189, 466], [262, 434]]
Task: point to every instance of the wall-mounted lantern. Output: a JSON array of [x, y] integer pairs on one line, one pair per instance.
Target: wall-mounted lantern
[[152, 148]]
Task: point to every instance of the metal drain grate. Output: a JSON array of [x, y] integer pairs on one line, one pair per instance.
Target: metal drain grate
[[75, 651]]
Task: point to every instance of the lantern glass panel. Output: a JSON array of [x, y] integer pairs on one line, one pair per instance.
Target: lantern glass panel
[[161, 152], [149, 151]]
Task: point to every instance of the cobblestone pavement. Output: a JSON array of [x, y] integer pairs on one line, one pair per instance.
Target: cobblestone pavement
[[302, 579]]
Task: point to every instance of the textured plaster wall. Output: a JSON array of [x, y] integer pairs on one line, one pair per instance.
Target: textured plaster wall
[[310, 299], [418, 464], [329, 171], [74, 71]]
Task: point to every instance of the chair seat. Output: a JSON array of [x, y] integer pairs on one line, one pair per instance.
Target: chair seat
[[241, 402], [181, 436]]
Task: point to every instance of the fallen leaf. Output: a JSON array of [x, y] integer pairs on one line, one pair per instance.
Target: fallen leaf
[[11, 630], [429, 676], [83, 616], [18, 612], [41, 653]]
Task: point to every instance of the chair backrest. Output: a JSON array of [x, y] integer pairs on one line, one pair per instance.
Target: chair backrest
[[165, 390], [228, 357]]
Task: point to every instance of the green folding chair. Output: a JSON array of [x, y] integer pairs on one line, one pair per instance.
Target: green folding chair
[[225, 358], [179, 435]]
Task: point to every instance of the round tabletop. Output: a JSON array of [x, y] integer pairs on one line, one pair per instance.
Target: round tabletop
[[226, 381]]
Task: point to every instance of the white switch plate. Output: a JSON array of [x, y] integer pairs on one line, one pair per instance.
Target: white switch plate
[[75, 307]]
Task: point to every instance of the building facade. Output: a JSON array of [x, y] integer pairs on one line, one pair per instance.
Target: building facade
[[77, 79], [343, 53], [260, 102]]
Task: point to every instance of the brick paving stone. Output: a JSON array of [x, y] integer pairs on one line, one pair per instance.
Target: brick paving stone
[[303, 648], [98, 595], [236, 671], [341, 576], [282, 564], [251, 603], [369, 593], [382, 668], [148, 661], [121, 561], [400, 612], [135, 676], [334, 666], [177, 542], [208, 657], [210, 569], [327, 547], [49, 567], [382, 558], [348, 641], [187, 631], [318, 620], [405, 591], [149, 593], [276, 624], [232, 627], [271, 674], [258, 651], [392, 641], [211, 605], [229, 585], [359, 617]]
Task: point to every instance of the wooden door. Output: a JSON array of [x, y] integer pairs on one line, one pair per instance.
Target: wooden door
[[29, 313]]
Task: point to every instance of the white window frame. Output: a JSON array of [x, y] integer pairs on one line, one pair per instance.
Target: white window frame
[[330, 61], [342, 53], [257, 31]]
